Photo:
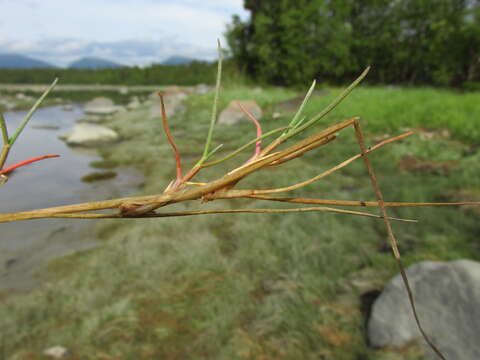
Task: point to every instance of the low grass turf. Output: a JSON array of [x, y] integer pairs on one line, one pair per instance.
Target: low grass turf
[[292, 286]]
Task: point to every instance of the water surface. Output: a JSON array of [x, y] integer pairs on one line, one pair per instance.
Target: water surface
[[25, 247]]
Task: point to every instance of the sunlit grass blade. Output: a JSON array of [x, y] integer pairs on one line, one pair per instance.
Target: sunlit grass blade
[[31, 112]]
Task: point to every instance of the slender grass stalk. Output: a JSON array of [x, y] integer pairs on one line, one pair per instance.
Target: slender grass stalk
[[166, 128], [6, 145], [306, 149], [213, 119], [332, 170], [331, 106], [391, 237], [357, 202], [258, 144], [3, 128], [296, 119], [230, 211], [26, 162], [214, 151], [298, 129], [27, 118], [243, 147], [246, 193], [4, 155]]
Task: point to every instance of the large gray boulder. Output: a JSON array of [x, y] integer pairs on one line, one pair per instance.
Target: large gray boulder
[[232, 114], [100, 106], [447, 297], [90, 135]]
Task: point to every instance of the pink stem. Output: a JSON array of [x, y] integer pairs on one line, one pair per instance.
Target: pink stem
[[26, 162], [166, 128], [258, 144]]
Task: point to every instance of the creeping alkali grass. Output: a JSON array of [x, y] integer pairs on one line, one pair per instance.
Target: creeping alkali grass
[[183, 188]]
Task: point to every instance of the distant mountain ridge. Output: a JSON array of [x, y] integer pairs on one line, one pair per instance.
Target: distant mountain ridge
[[178, 60], [16, 61], [94, 63]]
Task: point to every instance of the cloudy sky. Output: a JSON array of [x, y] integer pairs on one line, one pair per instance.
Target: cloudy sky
[[131, 32]]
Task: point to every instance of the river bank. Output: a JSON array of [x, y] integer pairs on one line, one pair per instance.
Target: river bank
[[248, 286]]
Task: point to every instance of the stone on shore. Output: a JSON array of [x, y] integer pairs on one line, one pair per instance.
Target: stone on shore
[[94, 119], [100, 106], [90, 135], [233, 114], [202, 89], [134, 103], [56, 352], [447, 297]]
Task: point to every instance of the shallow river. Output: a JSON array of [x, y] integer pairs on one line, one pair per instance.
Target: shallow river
[[26, 247]]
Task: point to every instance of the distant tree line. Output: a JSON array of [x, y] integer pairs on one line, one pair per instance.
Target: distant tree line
[[288, 42], [192, 74]]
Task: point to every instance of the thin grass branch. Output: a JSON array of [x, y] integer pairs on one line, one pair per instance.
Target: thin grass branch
[[231, 211], [8, 142], [213, 118], [258, 144], [26, 162], [166, 128], [391, 236], [302, 200]]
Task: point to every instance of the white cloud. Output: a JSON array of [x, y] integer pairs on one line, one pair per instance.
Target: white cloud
[[135, 31], [128, 52]]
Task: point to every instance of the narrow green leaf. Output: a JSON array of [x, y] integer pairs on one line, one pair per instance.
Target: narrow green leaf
[[296, 118], [211, 153], [215, 105], [330, 107], [4, 130], [300, 122], [30, 113]]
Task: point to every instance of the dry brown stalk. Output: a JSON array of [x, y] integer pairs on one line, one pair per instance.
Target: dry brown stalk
[[166, 128], [358, 202], [230, 211], [391, 235], [214, 190], [258, 144], [304, 150], [137, 206]]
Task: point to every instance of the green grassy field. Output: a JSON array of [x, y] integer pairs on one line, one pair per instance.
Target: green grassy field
[[288, 286]]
